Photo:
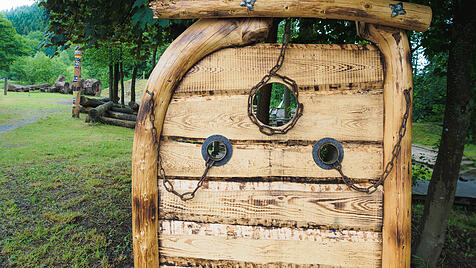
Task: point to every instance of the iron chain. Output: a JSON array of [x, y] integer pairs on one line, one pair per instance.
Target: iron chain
[[274, 72], [160, 169], [395, 153]]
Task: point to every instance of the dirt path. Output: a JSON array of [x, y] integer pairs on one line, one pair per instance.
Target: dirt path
[[32, 117]]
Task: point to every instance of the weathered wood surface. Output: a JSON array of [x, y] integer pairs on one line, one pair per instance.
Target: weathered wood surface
[[91, 102], [397, 201], [99, 111], [117, 122], [204, 243], [125, 110], [321, 67], [417, 18], [278, 204], [202, 38], [122, 116], [270, 159], [342, 115]]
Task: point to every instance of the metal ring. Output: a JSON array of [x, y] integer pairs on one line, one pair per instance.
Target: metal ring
[[316, 153], [229, 149]]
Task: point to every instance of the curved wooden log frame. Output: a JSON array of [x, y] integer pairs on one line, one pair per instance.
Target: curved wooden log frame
[[200, 39], [209, 35], [417, 17]]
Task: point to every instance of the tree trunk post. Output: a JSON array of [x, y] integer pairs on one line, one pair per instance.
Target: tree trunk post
[[122, 83], [396, 234], [456, 122], [6, 87], [143, 75], [133, 83], [116, 83], [111, 81], [76, 82]]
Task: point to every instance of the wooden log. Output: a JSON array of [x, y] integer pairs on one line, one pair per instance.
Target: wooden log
[[122, 109], [417, 17], [397, 199], [91, 102], [208, 245], [5, 89], [99, 111], [122, 116], [202, 38], [84, 110], [276, 203], [117, 122]]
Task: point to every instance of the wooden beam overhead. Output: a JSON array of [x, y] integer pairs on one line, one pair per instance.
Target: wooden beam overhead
[[397, 14]]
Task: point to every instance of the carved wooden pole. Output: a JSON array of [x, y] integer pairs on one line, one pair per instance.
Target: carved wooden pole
[[393, 43], [200, 39], [76, 80]]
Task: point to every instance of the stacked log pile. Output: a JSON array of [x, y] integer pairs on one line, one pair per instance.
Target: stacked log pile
[[107, 112], [90, 87]]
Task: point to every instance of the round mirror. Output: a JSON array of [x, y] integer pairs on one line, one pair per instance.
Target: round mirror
[[216, 150]]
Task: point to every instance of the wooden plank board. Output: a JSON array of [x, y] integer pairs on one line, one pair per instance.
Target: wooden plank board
[[262, 245], [270, 159], [348, 116], [240, 69], [279, 204]]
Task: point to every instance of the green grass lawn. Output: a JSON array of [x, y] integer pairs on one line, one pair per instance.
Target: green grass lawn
[[65, 190], [428, 135], [64, 187]]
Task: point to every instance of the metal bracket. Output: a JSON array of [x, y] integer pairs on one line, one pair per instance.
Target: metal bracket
[[248, 3], [397, 9]]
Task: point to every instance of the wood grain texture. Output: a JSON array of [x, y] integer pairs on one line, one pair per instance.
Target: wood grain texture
[[270, 159], [278, 204], [397, 201], [262, 245], [347, 116], [199, 40], [417, 18], [328, 67]]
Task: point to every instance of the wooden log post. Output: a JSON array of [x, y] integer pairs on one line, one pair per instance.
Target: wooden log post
[[99, 111], [5, 89], [415, 17], [122, 116], [76, 80], [125, 110], [202, 38], [393, 43], [117, 122], [90, 102]]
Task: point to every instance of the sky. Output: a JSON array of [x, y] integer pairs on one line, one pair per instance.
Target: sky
[[8, 4]]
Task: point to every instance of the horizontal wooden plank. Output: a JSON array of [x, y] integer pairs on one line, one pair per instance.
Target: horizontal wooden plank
[[350, 116], [262, 245], [270, 159], [283, 204], [309, 65]]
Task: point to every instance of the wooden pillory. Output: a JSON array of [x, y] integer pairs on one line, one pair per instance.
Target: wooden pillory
[[270, 205]]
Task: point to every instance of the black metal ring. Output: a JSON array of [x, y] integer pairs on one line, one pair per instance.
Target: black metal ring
[[316, 152], [229, 149]]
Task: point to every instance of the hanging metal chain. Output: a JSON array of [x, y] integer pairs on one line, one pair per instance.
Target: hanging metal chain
[[160, 169], [395, 153], [290, 82]]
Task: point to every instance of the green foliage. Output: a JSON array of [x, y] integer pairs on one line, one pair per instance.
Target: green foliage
[[11, 45], [27, 19], [42, 69]]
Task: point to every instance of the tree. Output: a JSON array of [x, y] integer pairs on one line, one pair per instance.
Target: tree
[[11, 46], [27, 19], [460, 26]]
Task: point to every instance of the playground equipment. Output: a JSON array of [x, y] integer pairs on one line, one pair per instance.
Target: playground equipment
[[215, 186]]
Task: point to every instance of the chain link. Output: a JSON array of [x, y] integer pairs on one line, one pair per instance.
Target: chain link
[[290, 82], [395, 153], [160, 169]]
